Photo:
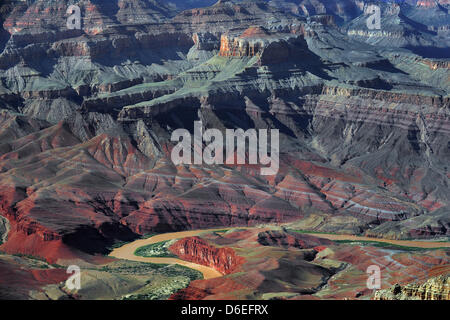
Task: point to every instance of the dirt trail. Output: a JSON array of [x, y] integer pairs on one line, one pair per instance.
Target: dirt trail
[[127, 252]]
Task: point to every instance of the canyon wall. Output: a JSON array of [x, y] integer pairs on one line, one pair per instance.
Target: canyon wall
[[197, 250]]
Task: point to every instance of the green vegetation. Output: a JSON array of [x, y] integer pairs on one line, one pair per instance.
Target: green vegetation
[[176, 270], [29, 256], [312, 232], [137, 268], [162, 292], [221, 231], [173, 270], [155, 250], [161, 289], [32, 261], [149, 235], [162, 280], [229, 229], [119, 244], [3, 229], [385, 245]]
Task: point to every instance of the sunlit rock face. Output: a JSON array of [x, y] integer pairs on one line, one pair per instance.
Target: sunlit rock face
[[433, 289], [269, 48], [199, 251]]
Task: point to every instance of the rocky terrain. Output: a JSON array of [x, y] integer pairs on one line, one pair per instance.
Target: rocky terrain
[[87, 115], [433, 289], [283, 264]]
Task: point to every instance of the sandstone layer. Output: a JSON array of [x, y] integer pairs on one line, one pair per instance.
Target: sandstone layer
[[433, 289]]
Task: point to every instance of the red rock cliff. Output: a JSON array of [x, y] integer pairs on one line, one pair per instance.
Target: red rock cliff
[[199, 251]]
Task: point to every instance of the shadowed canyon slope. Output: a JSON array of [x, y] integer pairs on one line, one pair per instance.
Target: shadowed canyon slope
[[87, 115]]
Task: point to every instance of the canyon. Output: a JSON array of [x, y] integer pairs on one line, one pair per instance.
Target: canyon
[[323, 269], [87, 115]]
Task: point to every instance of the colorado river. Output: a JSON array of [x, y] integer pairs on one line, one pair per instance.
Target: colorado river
[[404, 243], [127, 251]]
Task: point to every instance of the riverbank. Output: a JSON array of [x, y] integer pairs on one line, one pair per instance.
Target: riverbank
[[127, 251]]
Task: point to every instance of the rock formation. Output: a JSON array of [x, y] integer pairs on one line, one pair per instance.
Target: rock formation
[[197, 250], [433, 289]]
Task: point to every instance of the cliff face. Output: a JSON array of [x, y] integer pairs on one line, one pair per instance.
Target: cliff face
[[269, 47], [197, 250], [237, 47], [437, 288]]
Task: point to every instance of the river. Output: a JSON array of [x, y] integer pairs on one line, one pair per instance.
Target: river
[[127, 251]]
